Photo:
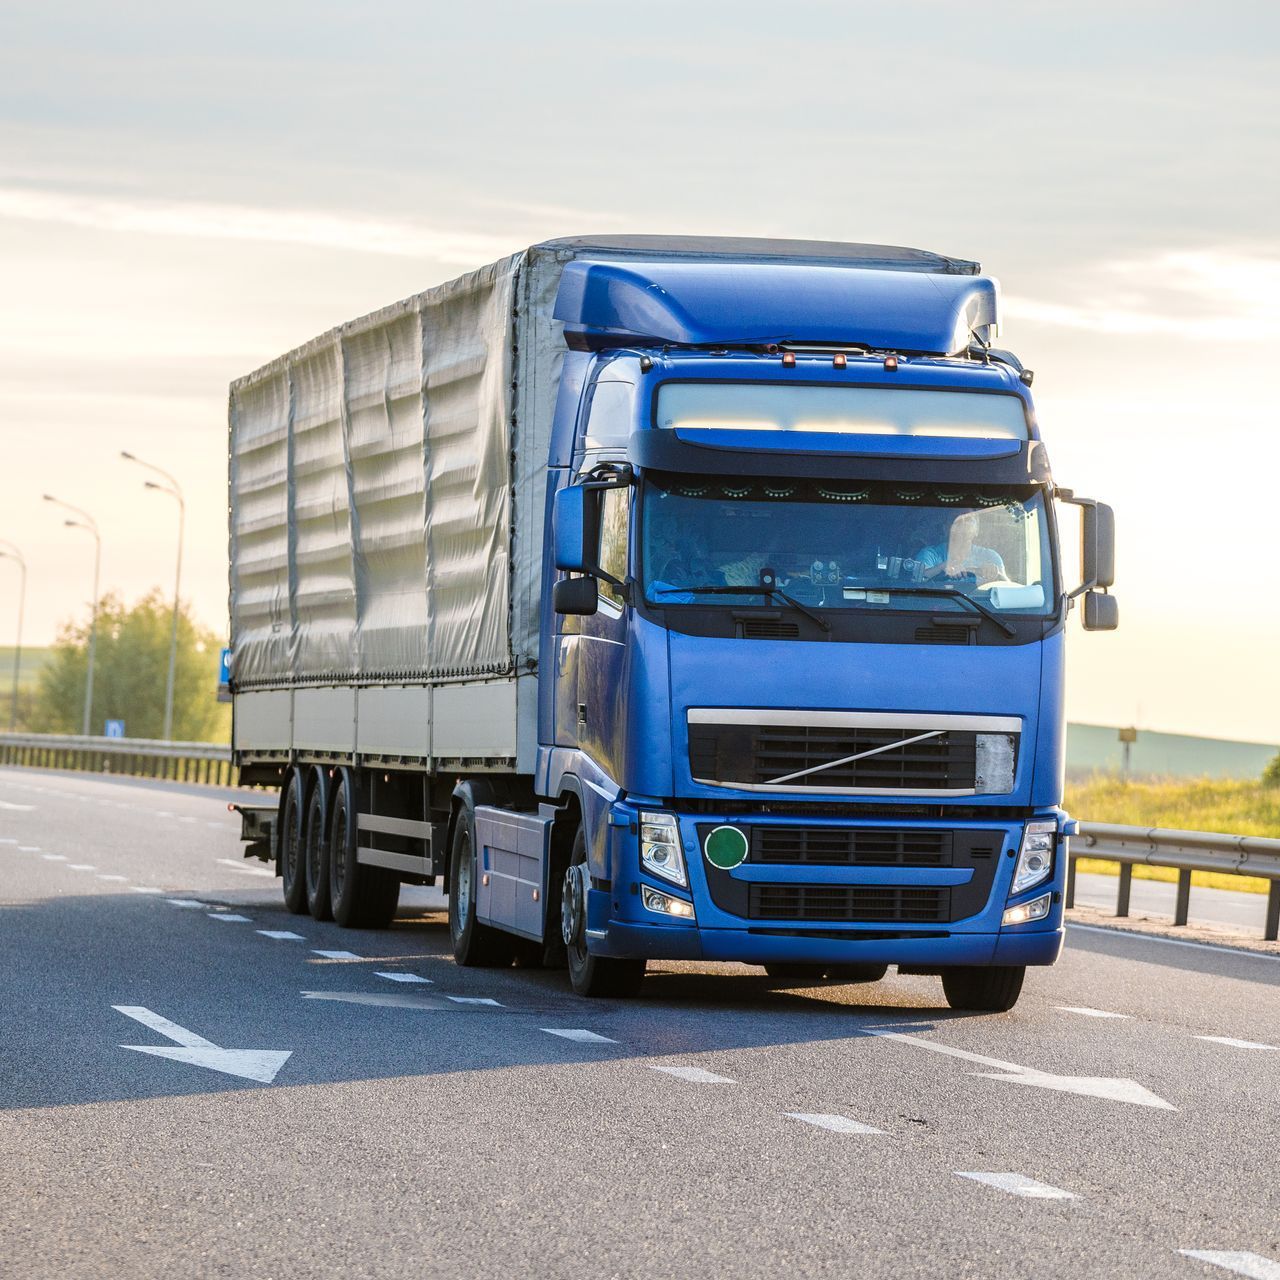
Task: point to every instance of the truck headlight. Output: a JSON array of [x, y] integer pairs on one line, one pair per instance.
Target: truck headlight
[[664, 904], [660, 851], [1035, 857]]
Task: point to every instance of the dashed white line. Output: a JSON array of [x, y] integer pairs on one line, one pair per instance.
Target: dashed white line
[[837, 1124], [115, 879], [189, 903], [48, 857], [401, 977], [282, 935], [694, 1075], [1090, 1013], [186, 819], [143, 888], [337, 955], [81, 866], [228, 917], [6, 840], [1239, 1044], [1017, 1185], [1253, 1265], [474, 1000], [578, 1034]]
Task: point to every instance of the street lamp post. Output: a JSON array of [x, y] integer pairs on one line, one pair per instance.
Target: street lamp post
[[87, 523], [174, 490], [9, 552]]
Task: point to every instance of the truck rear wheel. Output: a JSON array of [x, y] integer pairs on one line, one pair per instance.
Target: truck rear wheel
[[474, 944], [590, 975], [991, 989], [315, 842], [292, 872], [362, 897]]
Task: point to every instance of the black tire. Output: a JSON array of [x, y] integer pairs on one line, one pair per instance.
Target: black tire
[[857, 972], [590, 975], [796, 972], [292, 871], [315, 845], [992, 989], [475, 945], [362, 897]]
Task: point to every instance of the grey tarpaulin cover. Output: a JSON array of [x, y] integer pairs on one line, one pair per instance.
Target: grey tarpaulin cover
[[387, 482]]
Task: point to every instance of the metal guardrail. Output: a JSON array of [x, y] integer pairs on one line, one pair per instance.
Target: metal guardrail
[[203, 762], [1182, 851]]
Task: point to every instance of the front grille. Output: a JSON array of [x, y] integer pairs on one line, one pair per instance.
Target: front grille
[[851, 903], [850, 847], [760, 755]]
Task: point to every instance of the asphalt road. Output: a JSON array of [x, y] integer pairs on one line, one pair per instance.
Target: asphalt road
[[397, 1116]]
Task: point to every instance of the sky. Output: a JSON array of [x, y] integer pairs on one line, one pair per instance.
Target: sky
[[186, 194]]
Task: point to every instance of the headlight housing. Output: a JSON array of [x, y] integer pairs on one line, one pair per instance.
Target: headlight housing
[[660, 851], [1035, 857], [1026, 912], [664, 904]]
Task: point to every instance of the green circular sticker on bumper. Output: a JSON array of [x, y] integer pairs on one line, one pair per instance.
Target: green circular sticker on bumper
[[725, 847]]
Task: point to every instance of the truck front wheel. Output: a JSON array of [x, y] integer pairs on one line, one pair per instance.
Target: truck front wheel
[[590, 975], [992, 989]]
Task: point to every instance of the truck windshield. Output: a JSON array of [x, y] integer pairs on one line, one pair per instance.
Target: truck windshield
[[845, 544]]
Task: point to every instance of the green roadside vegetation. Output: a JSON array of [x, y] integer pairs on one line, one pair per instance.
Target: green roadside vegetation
[[1204, 804]]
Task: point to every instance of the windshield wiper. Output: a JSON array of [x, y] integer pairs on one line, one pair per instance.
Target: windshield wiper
[[956, 594], [719, 589]]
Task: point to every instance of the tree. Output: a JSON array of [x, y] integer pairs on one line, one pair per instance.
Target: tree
[[130, 669], [1271, 774]]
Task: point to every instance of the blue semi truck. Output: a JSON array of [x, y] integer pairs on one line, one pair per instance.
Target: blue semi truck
[[666, 599]]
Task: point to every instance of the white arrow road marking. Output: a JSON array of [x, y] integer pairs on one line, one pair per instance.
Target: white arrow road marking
[[1090, 1013], [281, 935], [474, 1000], [1115, 1089], [248, 871], [837, 1124], [1238, 1044], [578, 1034], [1017, 1185], [189, 903], [1253, 1265], [401, 977], [261, 1065], [228, 917], [695, 1075], [337, 955]]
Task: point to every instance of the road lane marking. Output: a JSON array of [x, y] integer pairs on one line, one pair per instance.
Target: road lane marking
[[474, 1000], [229, 918], [694, 1075], [337, 955], [219, 824], [163, 813], [188, 903], [836, 1124], [579, 1035], [1114, 1089], [7, 840], [1253, 1265], [116, 879], [1171, 942], [248, 871], [401, 977], [282, 935], [1017, 1185], [261, 1065], [25, 808], [143, 888], [35, 848], [187, 819], [81, 866], [1086, 1012], [382, 999], [1239, 1044]]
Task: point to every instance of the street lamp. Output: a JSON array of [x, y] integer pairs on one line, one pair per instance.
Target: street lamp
[[174, 490], [9, 552], [88, 523]]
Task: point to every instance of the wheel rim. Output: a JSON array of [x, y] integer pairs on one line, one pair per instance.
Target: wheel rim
[[338, 851], [463, 892], [573, 913], [315, 837]]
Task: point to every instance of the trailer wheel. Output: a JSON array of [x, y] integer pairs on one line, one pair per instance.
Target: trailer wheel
[[991, 989], [362, 897], [315, 838], [856, 972], [292, 872], [475, 945], [590, 975]]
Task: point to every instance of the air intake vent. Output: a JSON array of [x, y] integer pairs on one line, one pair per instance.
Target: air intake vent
[[852, 903], [981, 852], [943, 635], [769, 629]]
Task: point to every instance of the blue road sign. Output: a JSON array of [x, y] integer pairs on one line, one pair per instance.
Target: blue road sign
[[114, 729]]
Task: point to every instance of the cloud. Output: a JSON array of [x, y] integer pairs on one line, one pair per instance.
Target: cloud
[[356, 233], [1201, 295]]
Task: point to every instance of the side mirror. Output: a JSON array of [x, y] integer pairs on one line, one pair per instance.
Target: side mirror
[[576, 595], [576, 520], [1101, 612], [1098, 545]]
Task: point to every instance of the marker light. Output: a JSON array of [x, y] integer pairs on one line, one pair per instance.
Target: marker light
[[660, 850], [891, 364], [788, 359], [1035, 857], [838, 360], [1025, 912], [664, 904]]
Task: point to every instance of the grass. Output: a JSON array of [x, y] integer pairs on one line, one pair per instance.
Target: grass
[[1204, 804]]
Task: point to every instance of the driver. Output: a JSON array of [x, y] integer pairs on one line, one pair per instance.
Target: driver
[[960, 556]]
